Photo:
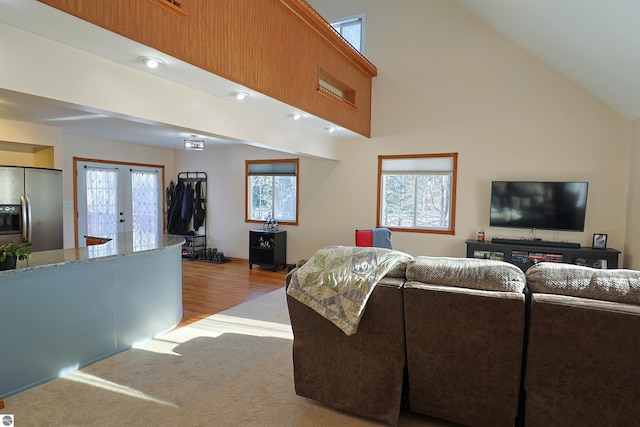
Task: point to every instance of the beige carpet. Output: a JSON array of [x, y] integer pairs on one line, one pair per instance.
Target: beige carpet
[[231, 369]]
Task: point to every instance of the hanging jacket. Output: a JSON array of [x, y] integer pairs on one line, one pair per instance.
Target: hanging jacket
[[173, 221], [187, 204], [199, 212]]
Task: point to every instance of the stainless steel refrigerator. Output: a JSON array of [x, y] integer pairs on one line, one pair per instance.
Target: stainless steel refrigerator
[[31, 206]]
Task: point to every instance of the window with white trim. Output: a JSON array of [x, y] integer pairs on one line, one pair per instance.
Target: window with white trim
[[352, 29], [417, 192], [272, 190]]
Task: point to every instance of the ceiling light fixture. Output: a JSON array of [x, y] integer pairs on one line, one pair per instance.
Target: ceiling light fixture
[[240, 95], [194, 144], [296, 116], [330, 129], [150, 61]]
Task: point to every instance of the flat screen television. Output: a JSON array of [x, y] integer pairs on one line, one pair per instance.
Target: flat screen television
[[539, 205]]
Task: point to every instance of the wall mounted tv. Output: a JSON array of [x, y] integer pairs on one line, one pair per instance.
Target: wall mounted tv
[[539, 205]]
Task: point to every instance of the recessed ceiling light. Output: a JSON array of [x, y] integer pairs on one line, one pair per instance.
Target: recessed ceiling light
[[150, 61], [296, 116], [240, 95], [330, 129]]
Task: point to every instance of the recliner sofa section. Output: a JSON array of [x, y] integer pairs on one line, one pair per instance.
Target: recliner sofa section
[[363, 373], [464, 325]]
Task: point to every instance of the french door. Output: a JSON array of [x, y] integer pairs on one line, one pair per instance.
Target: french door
[[114, 198]]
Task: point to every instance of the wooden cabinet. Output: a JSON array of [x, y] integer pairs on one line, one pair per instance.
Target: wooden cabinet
[[268, 248], [525, 255]]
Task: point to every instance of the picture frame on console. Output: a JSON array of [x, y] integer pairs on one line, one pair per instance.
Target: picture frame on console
[[599, 241]]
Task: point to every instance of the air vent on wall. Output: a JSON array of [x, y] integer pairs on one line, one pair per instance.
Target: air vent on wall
[[172, 6], [335, 89]]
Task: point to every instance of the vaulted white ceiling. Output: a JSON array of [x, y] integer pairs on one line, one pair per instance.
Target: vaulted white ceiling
[[595, 43]]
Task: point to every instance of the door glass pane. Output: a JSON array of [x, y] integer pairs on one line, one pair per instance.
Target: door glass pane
[[102, 201], [145, 206]]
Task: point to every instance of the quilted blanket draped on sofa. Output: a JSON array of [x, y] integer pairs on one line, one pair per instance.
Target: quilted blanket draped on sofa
[[337, 281]]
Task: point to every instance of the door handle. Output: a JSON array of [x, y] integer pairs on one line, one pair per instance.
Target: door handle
[[29, 218], [25, 206], [24, 219]]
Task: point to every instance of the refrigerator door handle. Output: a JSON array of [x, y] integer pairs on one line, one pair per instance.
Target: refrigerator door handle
[[29, 223], [24, 218]]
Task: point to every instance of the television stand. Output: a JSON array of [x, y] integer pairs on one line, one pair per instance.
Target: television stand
[[535, 242], [525, 253]]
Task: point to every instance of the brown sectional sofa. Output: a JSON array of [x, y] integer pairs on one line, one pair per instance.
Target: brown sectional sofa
[[447, 337]]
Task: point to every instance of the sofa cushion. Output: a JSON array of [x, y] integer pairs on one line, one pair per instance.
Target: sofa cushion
[[470, 273], [585, 282]]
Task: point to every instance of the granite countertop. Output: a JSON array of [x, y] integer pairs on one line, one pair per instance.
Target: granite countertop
[[121, 244]]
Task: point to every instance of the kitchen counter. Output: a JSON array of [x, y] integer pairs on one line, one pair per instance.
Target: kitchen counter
[[64, 309], [121, 244]]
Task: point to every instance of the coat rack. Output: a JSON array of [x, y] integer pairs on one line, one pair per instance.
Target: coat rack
[[192, 176], [187, 203]]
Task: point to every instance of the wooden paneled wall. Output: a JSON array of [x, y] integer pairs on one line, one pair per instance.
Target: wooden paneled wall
[[276, 47]]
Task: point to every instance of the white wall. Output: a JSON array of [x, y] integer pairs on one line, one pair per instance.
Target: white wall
[[31, 134], [632, 246]]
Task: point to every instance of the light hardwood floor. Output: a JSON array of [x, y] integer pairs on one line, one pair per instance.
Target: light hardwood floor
[[209, 288]]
